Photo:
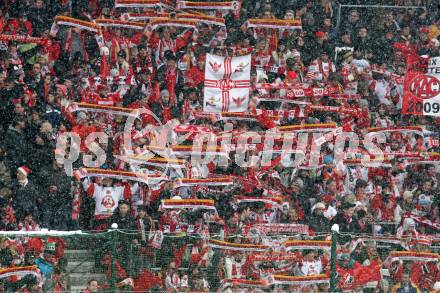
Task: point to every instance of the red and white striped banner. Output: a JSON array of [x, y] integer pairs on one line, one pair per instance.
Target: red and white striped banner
[[19, 272], [414, 256], [120, 24], [227, 83], [308, 244], [206, 204], [86, 107], [274, 23], [237, 246], [230, 5], [143, 3], [73, 22], [122, 175]]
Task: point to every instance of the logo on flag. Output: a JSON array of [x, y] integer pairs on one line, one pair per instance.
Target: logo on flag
[[422, 89], [227, 82]]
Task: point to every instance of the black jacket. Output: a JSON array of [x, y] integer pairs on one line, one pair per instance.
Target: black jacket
[[49, 176], [319, 223], [24, 199], [15, 146], [124, 223], [344, 225]]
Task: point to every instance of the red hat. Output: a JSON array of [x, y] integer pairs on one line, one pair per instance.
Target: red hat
[[320, 34], [292, 75], [25, 170], [424, 29]]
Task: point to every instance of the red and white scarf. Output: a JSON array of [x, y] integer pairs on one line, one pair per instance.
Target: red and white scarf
[[275, 23], [276, 201], [298, 280], [158, 22], [143, 3], [403, 129], [19, 272], [86, 107], [422, 220], [414, 256], [122, 175], [236, 282], [307, 244], [278, 228], [72, 22], [217, 181], [23, 39], [236, 246], [207, 204], [120, 24], [321, 127], [231, 5], [180, 16]]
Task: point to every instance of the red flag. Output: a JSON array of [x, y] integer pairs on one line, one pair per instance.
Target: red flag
[[358, 275]]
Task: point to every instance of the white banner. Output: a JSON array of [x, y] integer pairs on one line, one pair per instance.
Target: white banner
[[227, 82], [431, 102]]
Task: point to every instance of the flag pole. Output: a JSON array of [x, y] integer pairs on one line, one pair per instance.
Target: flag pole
[[335, 232]]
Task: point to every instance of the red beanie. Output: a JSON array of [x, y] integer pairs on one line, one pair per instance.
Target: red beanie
[[292, 75], [320, 34]]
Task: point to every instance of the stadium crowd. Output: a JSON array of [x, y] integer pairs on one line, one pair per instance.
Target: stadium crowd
[[361, 55]]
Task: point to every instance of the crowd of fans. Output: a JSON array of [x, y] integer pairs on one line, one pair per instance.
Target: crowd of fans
[[364, 52]]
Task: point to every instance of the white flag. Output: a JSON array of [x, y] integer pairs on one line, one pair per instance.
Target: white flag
[[227, 82]]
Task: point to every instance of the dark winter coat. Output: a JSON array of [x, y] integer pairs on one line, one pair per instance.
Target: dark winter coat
[[24, 199]]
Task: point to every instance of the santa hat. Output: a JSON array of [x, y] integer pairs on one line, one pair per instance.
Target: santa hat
[[24, 170]]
